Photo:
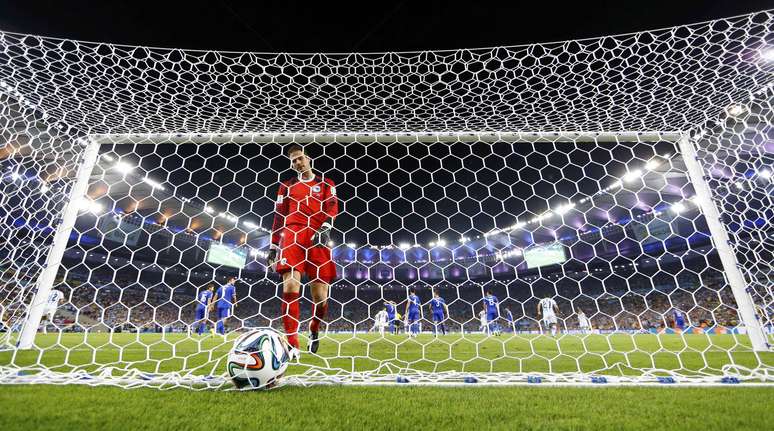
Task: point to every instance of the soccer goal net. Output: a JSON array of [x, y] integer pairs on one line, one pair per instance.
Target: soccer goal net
[[581, 212]]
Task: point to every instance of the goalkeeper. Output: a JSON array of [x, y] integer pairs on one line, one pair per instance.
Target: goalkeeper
[[305, 209]]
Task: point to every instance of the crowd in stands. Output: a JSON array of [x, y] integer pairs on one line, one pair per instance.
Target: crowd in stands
[[121, 304]]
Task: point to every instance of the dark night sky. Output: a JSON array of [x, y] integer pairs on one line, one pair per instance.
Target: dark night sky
[[297, 26]]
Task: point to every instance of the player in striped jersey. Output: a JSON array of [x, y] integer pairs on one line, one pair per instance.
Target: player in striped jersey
[[380, 321], [55, 298], [548, 309], [584, 323]]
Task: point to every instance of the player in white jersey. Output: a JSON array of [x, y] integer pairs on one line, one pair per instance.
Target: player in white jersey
[[55, 297], [548, 309], [380, 321], [484, 323], [584, 323]]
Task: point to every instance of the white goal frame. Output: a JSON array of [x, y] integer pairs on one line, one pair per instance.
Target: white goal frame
[[92, 143]]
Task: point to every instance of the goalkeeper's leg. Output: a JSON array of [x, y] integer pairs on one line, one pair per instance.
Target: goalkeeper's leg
[[291, 286], [319, 311]]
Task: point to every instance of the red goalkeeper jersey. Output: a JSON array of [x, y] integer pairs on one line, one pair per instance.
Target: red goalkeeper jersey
[[304, 203]]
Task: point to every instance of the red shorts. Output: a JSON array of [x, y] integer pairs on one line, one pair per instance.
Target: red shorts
[[297, 253]]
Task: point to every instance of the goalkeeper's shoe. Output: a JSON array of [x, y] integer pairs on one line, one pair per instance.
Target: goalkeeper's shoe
[[314, 342], [294, 354]]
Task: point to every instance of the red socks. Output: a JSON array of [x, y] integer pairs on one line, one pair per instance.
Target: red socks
[[320, 311], [290, 313]]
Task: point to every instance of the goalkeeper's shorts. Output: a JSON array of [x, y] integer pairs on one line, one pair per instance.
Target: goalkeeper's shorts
[[298, 254]]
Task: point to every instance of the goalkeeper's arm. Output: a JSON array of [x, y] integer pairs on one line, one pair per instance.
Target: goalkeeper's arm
[[280, 212], [330, 208], [323, 234]]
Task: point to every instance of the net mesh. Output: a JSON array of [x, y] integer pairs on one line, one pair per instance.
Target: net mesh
[[133, 177]]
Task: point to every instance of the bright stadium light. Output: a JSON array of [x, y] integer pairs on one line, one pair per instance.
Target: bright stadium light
[[736, 110], [250, 225], [15, 176], [209, 210], [652, 164], [615, 185], [153, 183], [404, 246], [44, 188], [108, 157], [678, 208], [545, 215], [564, 209], [768, 54], [228, 216], [631, 176], [331, 243], [123, 167], [351, 245], [91, 206], [765, 174], [441, 243]]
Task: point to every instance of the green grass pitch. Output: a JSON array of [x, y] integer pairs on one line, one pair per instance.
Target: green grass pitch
[[337, 407]]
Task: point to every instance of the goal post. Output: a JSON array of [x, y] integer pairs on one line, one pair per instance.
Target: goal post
[[752, 324], [74, 204]]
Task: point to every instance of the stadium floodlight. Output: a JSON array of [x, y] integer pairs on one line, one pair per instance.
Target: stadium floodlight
[[15, 176], [677, 208], [564, 209], [153, 183], [91, 206], [123, 167], [331, 243], [768, 54], [352, 245], [228, 216], [404, 246], [765, 174], [739, 185], [209, 210], [249, 224], [44, 188], [108, 157], [652, 164], [631, 176], [441, 243], [737, 110]]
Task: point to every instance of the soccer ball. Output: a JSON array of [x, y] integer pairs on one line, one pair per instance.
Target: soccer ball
[[258, 359]]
